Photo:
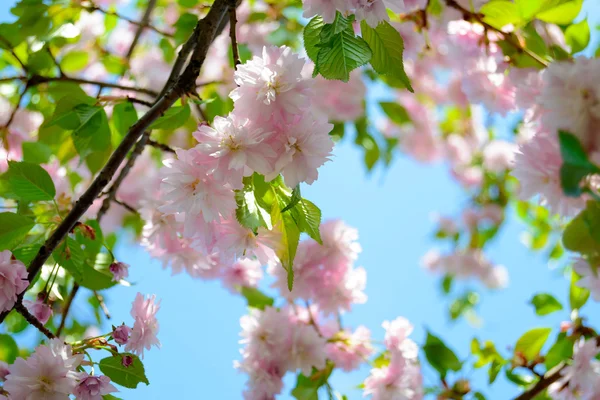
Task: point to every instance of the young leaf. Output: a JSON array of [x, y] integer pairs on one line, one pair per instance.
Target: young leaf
[[531, 343], [343, 54], [499, 13], [9, 351], [545, 304], [387, 46], [13, 229], [440, 356], [130, 376], [575, 166], [290, 237], [577, 36], [29, 182], [312, 37], [561, 350], [578, 296], [173, 118], [124, 116], [249, 212], [559, 12], [256, 298]]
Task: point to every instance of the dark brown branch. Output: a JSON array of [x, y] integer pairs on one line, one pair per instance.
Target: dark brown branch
[[37, 80], [112, 192], [67, 308], [93, 8], [139, 101], [21, 309], [126, 206], [12, 52], [232, 35], [160, 146], [203, 35], [510, 39], [143, 24], [541, 385]]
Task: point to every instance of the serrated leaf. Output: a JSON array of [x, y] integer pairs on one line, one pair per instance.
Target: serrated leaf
[[312, 37], [249, 212], [123, 117], [13, 229], [29, 182], [531, 343], [129, 377], [387, 47], [545, 304]]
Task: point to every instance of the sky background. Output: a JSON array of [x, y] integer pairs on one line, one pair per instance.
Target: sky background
[[392, 210]]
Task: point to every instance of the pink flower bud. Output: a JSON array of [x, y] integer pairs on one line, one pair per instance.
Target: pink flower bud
[[565, 326], [93, 387], [121, 334], [119, 270], [127, 361], [39, 309]]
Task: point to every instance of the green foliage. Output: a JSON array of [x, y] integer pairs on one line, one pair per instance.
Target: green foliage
[[488, 355], [387, 47], [576, 165], [249, 212], [578, 296], [577, 36], [36, 152], [440, 356], [129, 377], [337, 51], [256, 298], [174, 118], [364, 139], [74, 61], [499, 13], [28, 182], [307, 387], [13, 229], [582, 234], [395, 112], [123, 117], [531, 342], [9, 350], [545, 304], [561, 350]]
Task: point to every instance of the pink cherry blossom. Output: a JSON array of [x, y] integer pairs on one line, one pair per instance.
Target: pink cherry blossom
[[49, 373], [13, 280], [145, 327], [584, 373], [308, 349], [306, 146], [498, 156], [271, 87], [238, 241], [121, 334], [349, 350], [244, 273], [374, 11], [120, 271], [325, 8], [93, 387], [337, 100], [39, 308]]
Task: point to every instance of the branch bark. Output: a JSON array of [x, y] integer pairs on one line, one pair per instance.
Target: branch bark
[[67, 308], [202, 37], [143, 24], [21, 309]]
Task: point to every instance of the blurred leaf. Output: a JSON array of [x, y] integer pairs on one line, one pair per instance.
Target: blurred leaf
[[559, 12], [36, 152], [499, 13], [545, 304], [577, 36], [440, 356], [575, 166], [531, 343], [9, 351], [578, 296], [256, 298], [173, 118], [123, 117], [582, 234], [74, 61], [395, 112], [561, 350]]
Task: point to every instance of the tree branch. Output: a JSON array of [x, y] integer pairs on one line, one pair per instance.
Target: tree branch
[[203, 35], [12, 52], [510, 39], [94, 7], [143, 24], [38, 80], [232, 35], [17, 107], [67, 308], [21, 309], [160, 146]]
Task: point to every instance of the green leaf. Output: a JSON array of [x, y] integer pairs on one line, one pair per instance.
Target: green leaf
[[26, 253], [582, 234], [440, 356], [575, 166], [545, 304], [395, 112], [531, 343], [578, 296], [365, 140], [308, 219], [499, 13], [559, 12], [110, 397], [561, 350], [129, 377], [9, 351], [13, 229], [123, 117], [29, 182], [387, 47], [340, 50], [519, 379], [295, 199], [307, 388], [36, 152], [577, 36], [312, 37], [249, 212], [74, 61], [187, 3], [71, 257], [184, 27], [290, 237], [256, 298], [173, 118]]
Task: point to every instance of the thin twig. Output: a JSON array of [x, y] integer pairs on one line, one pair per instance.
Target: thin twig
[[139, 101], [60, 71], [21, 309], [311, 319], [541, 385], [17, 107], [232, 35], [38, 80], [12, 52], [143, 24], [203, 35], [126, 206], [468, 15], [67, 308], [124, 18], [100, 299], [160, 146]]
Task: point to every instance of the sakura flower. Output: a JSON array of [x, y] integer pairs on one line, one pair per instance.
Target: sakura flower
[[265, 333], [349, 350], [306, 147], [237, 146], [244, 273], [394, 382], [584, 373], [145, 327], [264, 378], [121, 334], [120, 271], [325, 8], [49, 373], [498, 155], [13, 280], [271, 86], [337, 100], [374, 11], [39, 308], [396, 332], [308, 349], [238, 241], [590, 278], [93, 387], [188, 189]]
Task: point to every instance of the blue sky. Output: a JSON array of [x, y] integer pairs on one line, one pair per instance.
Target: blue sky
[[391, 209]]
